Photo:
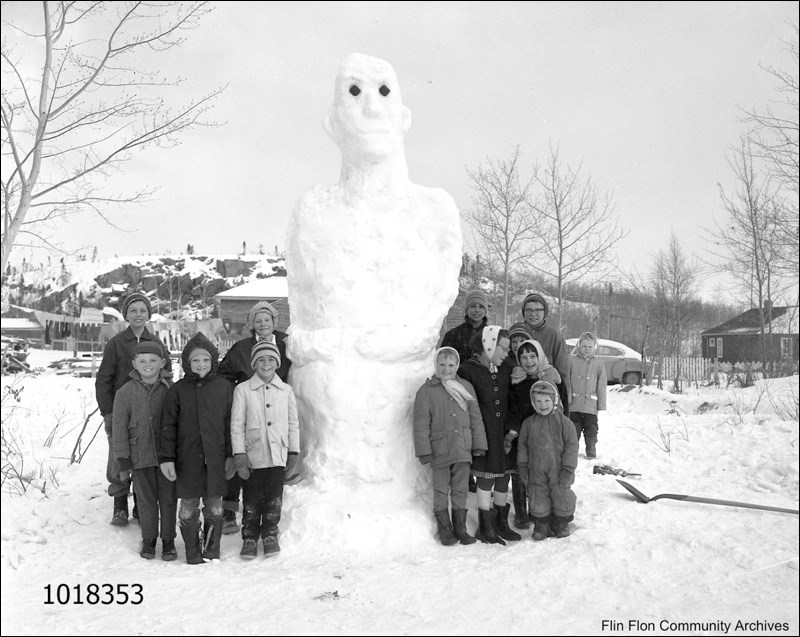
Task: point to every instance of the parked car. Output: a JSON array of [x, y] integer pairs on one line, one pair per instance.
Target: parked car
[[623, 364]]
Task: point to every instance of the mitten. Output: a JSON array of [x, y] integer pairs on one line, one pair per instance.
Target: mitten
[[479, 452], [230, 468], [107, 422], [510, 436], [168, 469], [426, 459], [291, 465], [241, 465], [564, 478], [518, 375]]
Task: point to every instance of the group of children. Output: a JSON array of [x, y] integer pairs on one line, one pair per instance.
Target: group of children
[[498, 415], [185, 440]]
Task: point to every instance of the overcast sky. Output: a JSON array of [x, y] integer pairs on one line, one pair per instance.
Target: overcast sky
[[647, 95]]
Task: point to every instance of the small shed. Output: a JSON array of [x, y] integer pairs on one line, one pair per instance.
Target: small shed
[[234, 304], [738, 340], [28, 328]]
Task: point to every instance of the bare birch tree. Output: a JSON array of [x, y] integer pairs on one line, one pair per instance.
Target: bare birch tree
[[501, 217], [577, 229], [78, 101], [674, 281]]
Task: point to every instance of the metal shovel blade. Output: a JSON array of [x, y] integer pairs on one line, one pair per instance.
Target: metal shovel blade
[[641, 497]]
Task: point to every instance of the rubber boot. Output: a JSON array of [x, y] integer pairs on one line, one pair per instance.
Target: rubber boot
[[190, 532], [486, 527], [591, 447], [520, 496], [445, 531], [501, 526], [541, 528], [229, 524], [120, 517], [212, 533], [148, 551], [460, 527], [561, 526]]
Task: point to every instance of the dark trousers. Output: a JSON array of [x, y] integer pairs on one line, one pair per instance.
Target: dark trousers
[[230, 501], [262, 497], [155, 495], [563, 396], [586, 424]]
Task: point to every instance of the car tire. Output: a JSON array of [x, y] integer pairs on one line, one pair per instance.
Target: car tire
[[630, 378]]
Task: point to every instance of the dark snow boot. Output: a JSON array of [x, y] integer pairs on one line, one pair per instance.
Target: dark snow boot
[[460, 527], [148, 551], [249, 549], [486, 527], [191, 538], [502, 528], [168, 550], [445, 531], [541, 528], [271, 546], [521, 520], [591, 447], [212, 534], [561, 526], [229, 524], [120, 517]]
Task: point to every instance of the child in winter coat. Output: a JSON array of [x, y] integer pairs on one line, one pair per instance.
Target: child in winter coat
[[588, 385], [196, 447], [262, 319], [547, 458], [265, 435], [533, 365], [136, 439], [448, 432], [489, 373], [476, 306], [113, 373]]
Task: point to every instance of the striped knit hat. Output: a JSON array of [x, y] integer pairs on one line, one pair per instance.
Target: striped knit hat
[[136, 297], [264, 347]]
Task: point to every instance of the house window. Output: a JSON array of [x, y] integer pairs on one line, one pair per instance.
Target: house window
[[719, 347], [786, 347], [712, 344]]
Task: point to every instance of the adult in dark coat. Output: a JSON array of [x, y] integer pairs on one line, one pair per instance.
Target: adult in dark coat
[[535, 311], [490, 374], [114, 371], [196, 445], [235, 367], [476, 306]]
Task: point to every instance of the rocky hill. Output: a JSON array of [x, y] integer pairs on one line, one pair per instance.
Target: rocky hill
[[179, 286]]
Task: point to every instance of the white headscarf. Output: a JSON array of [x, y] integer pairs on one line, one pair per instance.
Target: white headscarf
[[489, 340], [456, 390]]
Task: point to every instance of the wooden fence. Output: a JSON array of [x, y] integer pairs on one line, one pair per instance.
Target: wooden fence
[[691, 368]]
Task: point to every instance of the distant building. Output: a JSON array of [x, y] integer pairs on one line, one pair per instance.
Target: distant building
[[234, 304], [739, 339], [28, 328]]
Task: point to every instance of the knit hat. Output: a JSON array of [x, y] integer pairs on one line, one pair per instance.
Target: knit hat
[[476, 296], [261, 306], [148, 347], [536, 297], [520, 329], [136, 297], [264, 347]]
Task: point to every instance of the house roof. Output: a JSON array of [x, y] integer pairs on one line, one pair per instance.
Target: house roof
[[784, 321], [274, 287], [21, 324]]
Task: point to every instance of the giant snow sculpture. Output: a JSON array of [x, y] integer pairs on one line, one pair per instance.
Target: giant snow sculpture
[[372, 268]]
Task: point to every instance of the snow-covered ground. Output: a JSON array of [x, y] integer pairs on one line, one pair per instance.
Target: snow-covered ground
[[673, 567]]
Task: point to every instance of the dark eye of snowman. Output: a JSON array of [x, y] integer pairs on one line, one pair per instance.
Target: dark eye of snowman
[[354, 90], [384, 90]]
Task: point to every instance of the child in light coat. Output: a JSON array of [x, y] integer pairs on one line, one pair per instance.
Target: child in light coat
[[265, 434], [547, 457], [448, 432], [588, 386]]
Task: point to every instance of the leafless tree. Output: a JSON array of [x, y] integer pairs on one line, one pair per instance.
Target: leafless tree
[[501, 217], [577, 229], [674, 280], [79, 100], [747, 240]]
